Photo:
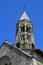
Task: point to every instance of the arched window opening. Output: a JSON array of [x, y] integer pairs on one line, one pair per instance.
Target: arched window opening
[[29, 37], [33, 46], [28, 29], [18, 45], [22, 28]]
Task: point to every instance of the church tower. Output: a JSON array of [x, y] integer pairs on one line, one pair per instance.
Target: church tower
[[24, 51], [24, 33]]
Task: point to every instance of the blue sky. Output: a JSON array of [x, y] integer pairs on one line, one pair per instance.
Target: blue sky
[[10, 13]]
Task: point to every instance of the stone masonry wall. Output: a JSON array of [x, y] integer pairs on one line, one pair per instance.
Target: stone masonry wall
[[16, 57]]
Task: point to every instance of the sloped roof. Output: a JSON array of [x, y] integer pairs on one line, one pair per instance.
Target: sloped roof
[[25, 53], [24, 16], [6, 43]]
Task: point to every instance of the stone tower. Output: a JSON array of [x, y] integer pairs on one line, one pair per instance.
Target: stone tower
[[24, 33], [23, 52]]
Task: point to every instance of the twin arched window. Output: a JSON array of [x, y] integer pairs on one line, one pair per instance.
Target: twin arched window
[[25, 36], [25, 29]]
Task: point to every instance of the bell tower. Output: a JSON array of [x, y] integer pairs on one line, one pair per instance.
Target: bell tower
[[24, 33]]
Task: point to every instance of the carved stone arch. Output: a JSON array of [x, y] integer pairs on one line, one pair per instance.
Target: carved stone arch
[[18, 44], [5, 60]]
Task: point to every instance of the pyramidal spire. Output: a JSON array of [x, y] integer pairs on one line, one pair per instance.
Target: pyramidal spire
[[24, 16]]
